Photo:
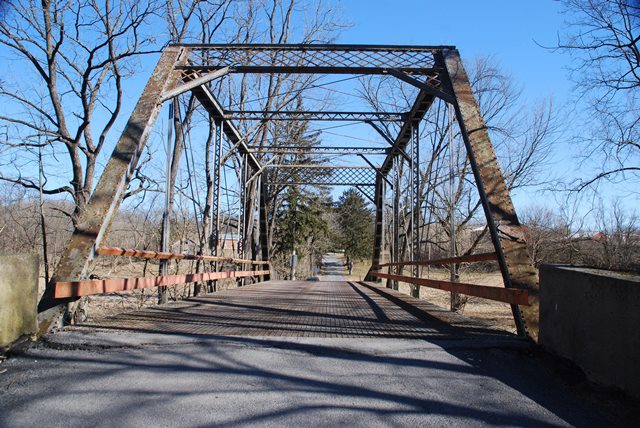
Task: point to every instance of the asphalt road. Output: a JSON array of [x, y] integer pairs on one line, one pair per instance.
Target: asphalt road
[[333, 268], [127, 379], [97, 378]]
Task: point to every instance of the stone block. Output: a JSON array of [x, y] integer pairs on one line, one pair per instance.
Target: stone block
[[592, 317], [18, 297]]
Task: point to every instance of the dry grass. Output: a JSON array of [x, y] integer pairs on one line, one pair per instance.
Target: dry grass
[[498, 313]]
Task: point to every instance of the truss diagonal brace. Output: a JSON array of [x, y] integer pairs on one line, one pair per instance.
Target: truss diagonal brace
[[389, 140], [376, 168], [96, 218], [365, 193], [211, 104], [425, 86], [505, 229], [190, 84]]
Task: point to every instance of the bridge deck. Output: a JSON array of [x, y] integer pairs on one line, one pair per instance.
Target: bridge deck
[[302, 309]]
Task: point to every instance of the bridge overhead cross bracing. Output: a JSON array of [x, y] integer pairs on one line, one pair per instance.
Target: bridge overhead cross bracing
[[435, 73]]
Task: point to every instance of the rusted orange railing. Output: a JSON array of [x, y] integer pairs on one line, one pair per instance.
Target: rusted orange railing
[[146, 254], [101, 286], [66, 289], [514, 296]]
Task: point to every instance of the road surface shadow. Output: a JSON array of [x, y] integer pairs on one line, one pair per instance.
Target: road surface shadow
[[247, 381]]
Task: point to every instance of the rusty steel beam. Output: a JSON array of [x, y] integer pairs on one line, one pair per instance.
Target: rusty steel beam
[[460, 259], [69, 289], [348, 116], [425, 86], [378, 237], [506, 233], [313, 58], [146, 254], [320, 150], [264, 220], [214, 108], [95, 220], [323, 175], [313, 47], [512, 296], [423, 102], [191, 83], [270, 69]]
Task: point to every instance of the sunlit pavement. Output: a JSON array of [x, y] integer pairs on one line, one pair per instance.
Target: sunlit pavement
[[288, 353]]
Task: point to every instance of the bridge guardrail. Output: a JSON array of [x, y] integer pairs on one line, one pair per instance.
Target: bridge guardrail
[[66, 289], [514, 296]]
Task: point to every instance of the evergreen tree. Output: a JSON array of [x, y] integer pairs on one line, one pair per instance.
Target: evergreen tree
[[300, 220], [300, 223], [355, 221]]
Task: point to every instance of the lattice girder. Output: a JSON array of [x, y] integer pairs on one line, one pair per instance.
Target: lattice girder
[[321, 175], [414, 59]]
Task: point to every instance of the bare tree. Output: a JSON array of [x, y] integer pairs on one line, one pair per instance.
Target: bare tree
[[274, 21], [278, 21], [602, 39], [618, 238], [73, 57], [523, 137], [549, 237]]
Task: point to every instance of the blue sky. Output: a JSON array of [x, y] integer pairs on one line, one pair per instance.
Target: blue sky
[[511, 31], [506, 30]]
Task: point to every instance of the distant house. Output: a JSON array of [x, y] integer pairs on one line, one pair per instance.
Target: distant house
[[229, 242]]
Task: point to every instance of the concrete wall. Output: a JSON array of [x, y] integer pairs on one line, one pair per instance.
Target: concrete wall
[[18, 297], [592, 317]]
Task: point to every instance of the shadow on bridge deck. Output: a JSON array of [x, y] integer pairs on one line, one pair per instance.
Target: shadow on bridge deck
[[303, 309]]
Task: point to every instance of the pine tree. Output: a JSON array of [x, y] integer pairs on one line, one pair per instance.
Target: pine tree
[[355, 220]]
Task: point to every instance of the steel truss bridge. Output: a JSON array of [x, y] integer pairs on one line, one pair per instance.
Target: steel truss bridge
[[436, 72]]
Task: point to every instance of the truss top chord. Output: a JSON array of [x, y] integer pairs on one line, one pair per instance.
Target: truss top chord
[[261, 58], [380, 152], [305, 166], [315, 47], [322, 148], [315, 115], [322, 175]]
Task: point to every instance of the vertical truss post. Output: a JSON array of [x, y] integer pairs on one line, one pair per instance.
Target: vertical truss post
[[251, 241], [396, 219], [243, 223], [264, 221], [256, 248], [454, 298], [243, 205], [214, 238], [504, 227], [166, 215], [95, 220], [415, 209], [378, 237]]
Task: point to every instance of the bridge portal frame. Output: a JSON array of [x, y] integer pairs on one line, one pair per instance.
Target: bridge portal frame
[[436, 71]]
